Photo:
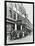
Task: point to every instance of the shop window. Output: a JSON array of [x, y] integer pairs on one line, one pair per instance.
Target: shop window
[[18, 27], [12, 26]]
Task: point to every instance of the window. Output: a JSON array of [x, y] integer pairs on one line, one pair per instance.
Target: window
[[10, 12], [14, 15], [18, 27], [12, 26], [18, 16]]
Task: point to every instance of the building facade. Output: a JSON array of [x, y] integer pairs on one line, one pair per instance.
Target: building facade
[[16, 18]]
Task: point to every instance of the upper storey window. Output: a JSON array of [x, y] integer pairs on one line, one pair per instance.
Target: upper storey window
[[14, 15], [18, 16], [10, 13]]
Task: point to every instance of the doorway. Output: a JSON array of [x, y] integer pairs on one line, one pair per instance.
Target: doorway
[[18, 27]]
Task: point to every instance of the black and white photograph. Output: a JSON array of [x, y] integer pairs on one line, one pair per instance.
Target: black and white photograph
[[19, 23]]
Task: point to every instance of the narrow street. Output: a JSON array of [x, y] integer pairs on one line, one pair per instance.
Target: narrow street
[[19, 23], [29, 38]]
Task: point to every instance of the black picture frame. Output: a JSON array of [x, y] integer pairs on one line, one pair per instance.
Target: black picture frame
[[5, 35]]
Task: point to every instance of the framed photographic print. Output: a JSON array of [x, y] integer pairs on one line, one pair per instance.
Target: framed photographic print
[[19, 22]]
